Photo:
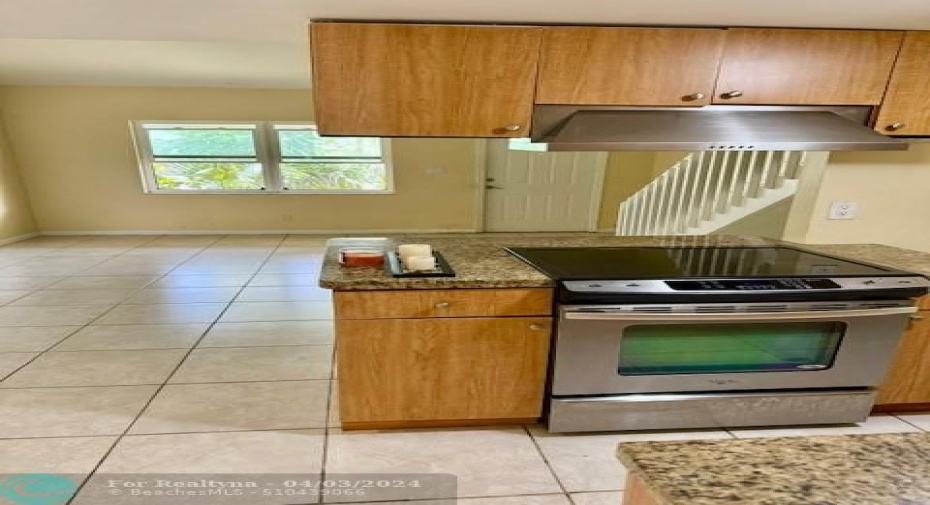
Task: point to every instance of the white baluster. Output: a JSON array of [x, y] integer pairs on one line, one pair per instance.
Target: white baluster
[[682, 195], [750, 174], [661, 212], [673, 197], [766, 171], [738, 166], [697, 169], [708, 172], [722, 176]]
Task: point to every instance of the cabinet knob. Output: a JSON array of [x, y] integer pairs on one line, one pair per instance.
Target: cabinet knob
[[693, 97], [536, 326], [443, 305], [513, 127], [732, 94], [895, 126]]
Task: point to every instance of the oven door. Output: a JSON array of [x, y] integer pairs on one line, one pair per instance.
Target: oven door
[[603, 350]]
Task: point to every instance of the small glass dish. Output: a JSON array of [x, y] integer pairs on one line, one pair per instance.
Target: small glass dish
[[353, 257]]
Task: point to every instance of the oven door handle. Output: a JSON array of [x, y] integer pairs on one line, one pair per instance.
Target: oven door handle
[[735, 316]]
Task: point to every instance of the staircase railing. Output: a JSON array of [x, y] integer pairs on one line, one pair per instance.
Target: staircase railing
[[703, 185]]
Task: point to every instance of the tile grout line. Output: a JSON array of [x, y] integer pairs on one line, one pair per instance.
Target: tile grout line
[[151, 399], [119, 437], [555, 475], [896, 416], [89, 323], [133, 292]]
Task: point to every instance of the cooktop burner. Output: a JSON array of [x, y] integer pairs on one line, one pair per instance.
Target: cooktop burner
[[611, 263]]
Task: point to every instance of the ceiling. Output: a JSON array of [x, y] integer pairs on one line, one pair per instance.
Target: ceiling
[[262, 43]]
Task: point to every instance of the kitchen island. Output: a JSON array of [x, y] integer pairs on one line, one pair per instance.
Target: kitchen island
[[892, 469], [473, 349]]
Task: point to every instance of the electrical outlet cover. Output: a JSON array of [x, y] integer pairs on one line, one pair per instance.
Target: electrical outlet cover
[[843, 210]]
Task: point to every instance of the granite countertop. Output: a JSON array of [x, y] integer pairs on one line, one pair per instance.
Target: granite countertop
[[480, 262], [892, 469]]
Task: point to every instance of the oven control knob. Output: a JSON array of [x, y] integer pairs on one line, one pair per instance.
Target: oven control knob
[[869, 282]]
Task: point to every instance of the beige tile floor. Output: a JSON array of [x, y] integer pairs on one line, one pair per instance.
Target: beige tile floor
[[193, 354]]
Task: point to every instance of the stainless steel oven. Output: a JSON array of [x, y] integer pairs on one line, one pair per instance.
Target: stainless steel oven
[[665, 337], [614, 359]]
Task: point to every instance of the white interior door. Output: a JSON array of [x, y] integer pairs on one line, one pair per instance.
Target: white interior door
[[542, 191]]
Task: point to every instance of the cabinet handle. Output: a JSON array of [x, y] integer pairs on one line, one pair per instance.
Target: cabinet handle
[[917, 318], [895, 126], [693, 97], [732, 94], [513, 127], [535, 326], [443, 305]]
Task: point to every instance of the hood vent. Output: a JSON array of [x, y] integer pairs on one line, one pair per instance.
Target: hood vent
[[712, 128]]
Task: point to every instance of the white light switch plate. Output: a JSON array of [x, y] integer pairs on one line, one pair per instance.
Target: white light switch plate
[[843, 210]]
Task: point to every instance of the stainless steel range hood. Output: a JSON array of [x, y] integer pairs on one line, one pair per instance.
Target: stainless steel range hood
[[716, 127]]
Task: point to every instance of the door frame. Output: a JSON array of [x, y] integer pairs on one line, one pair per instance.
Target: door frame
[[482, 155]]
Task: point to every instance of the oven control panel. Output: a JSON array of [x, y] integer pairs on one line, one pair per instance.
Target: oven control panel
[[906, 286], [752, 284]]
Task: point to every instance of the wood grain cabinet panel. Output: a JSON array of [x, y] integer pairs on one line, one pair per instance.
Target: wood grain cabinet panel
[[906, 109], [908, 380], [628, 66], [398, 372], [413, 303], [806, 67], [423, 80]]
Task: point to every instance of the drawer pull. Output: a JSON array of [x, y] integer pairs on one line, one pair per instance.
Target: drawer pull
[[443, 305], [732, 94], [917, 318], [535, 326], [693, 97]]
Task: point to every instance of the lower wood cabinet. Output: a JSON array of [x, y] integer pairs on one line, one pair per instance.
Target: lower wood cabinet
[[908, 381], [434, 372]]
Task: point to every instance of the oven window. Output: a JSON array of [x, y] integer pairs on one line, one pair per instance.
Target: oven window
[[661, 349]]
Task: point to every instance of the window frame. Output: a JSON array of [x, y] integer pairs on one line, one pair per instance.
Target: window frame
[[267, 155]]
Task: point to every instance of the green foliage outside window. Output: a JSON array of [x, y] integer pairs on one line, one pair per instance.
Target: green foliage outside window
[[217, 159]]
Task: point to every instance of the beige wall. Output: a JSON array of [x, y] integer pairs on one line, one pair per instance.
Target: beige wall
[[893, 191], [72, 146], [15, 213], [625, 174]]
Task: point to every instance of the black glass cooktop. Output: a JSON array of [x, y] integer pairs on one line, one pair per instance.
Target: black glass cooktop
[[617, 263]]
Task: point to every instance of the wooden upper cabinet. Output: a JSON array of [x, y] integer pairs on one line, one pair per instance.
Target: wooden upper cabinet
[[423, 80], [628, 66], [806, 67], [906, 109]]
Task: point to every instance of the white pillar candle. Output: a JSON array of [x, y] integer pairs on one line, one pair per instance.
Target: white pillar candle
[[420, 263], [407, 250]]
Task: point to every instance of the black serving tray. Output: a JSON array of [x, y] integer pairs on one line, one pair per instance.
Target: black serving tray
[[394, 267]]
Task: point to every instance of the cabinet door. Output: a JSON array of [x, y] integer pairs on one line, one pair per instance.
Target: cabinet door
[[908, 381], [806, 67], [906, 109], [413, 370], [418, 80], [628, 66]]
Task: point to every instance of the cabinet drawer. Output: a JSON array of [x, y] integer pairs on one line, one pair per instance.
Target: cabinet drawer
[[442, 303]]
